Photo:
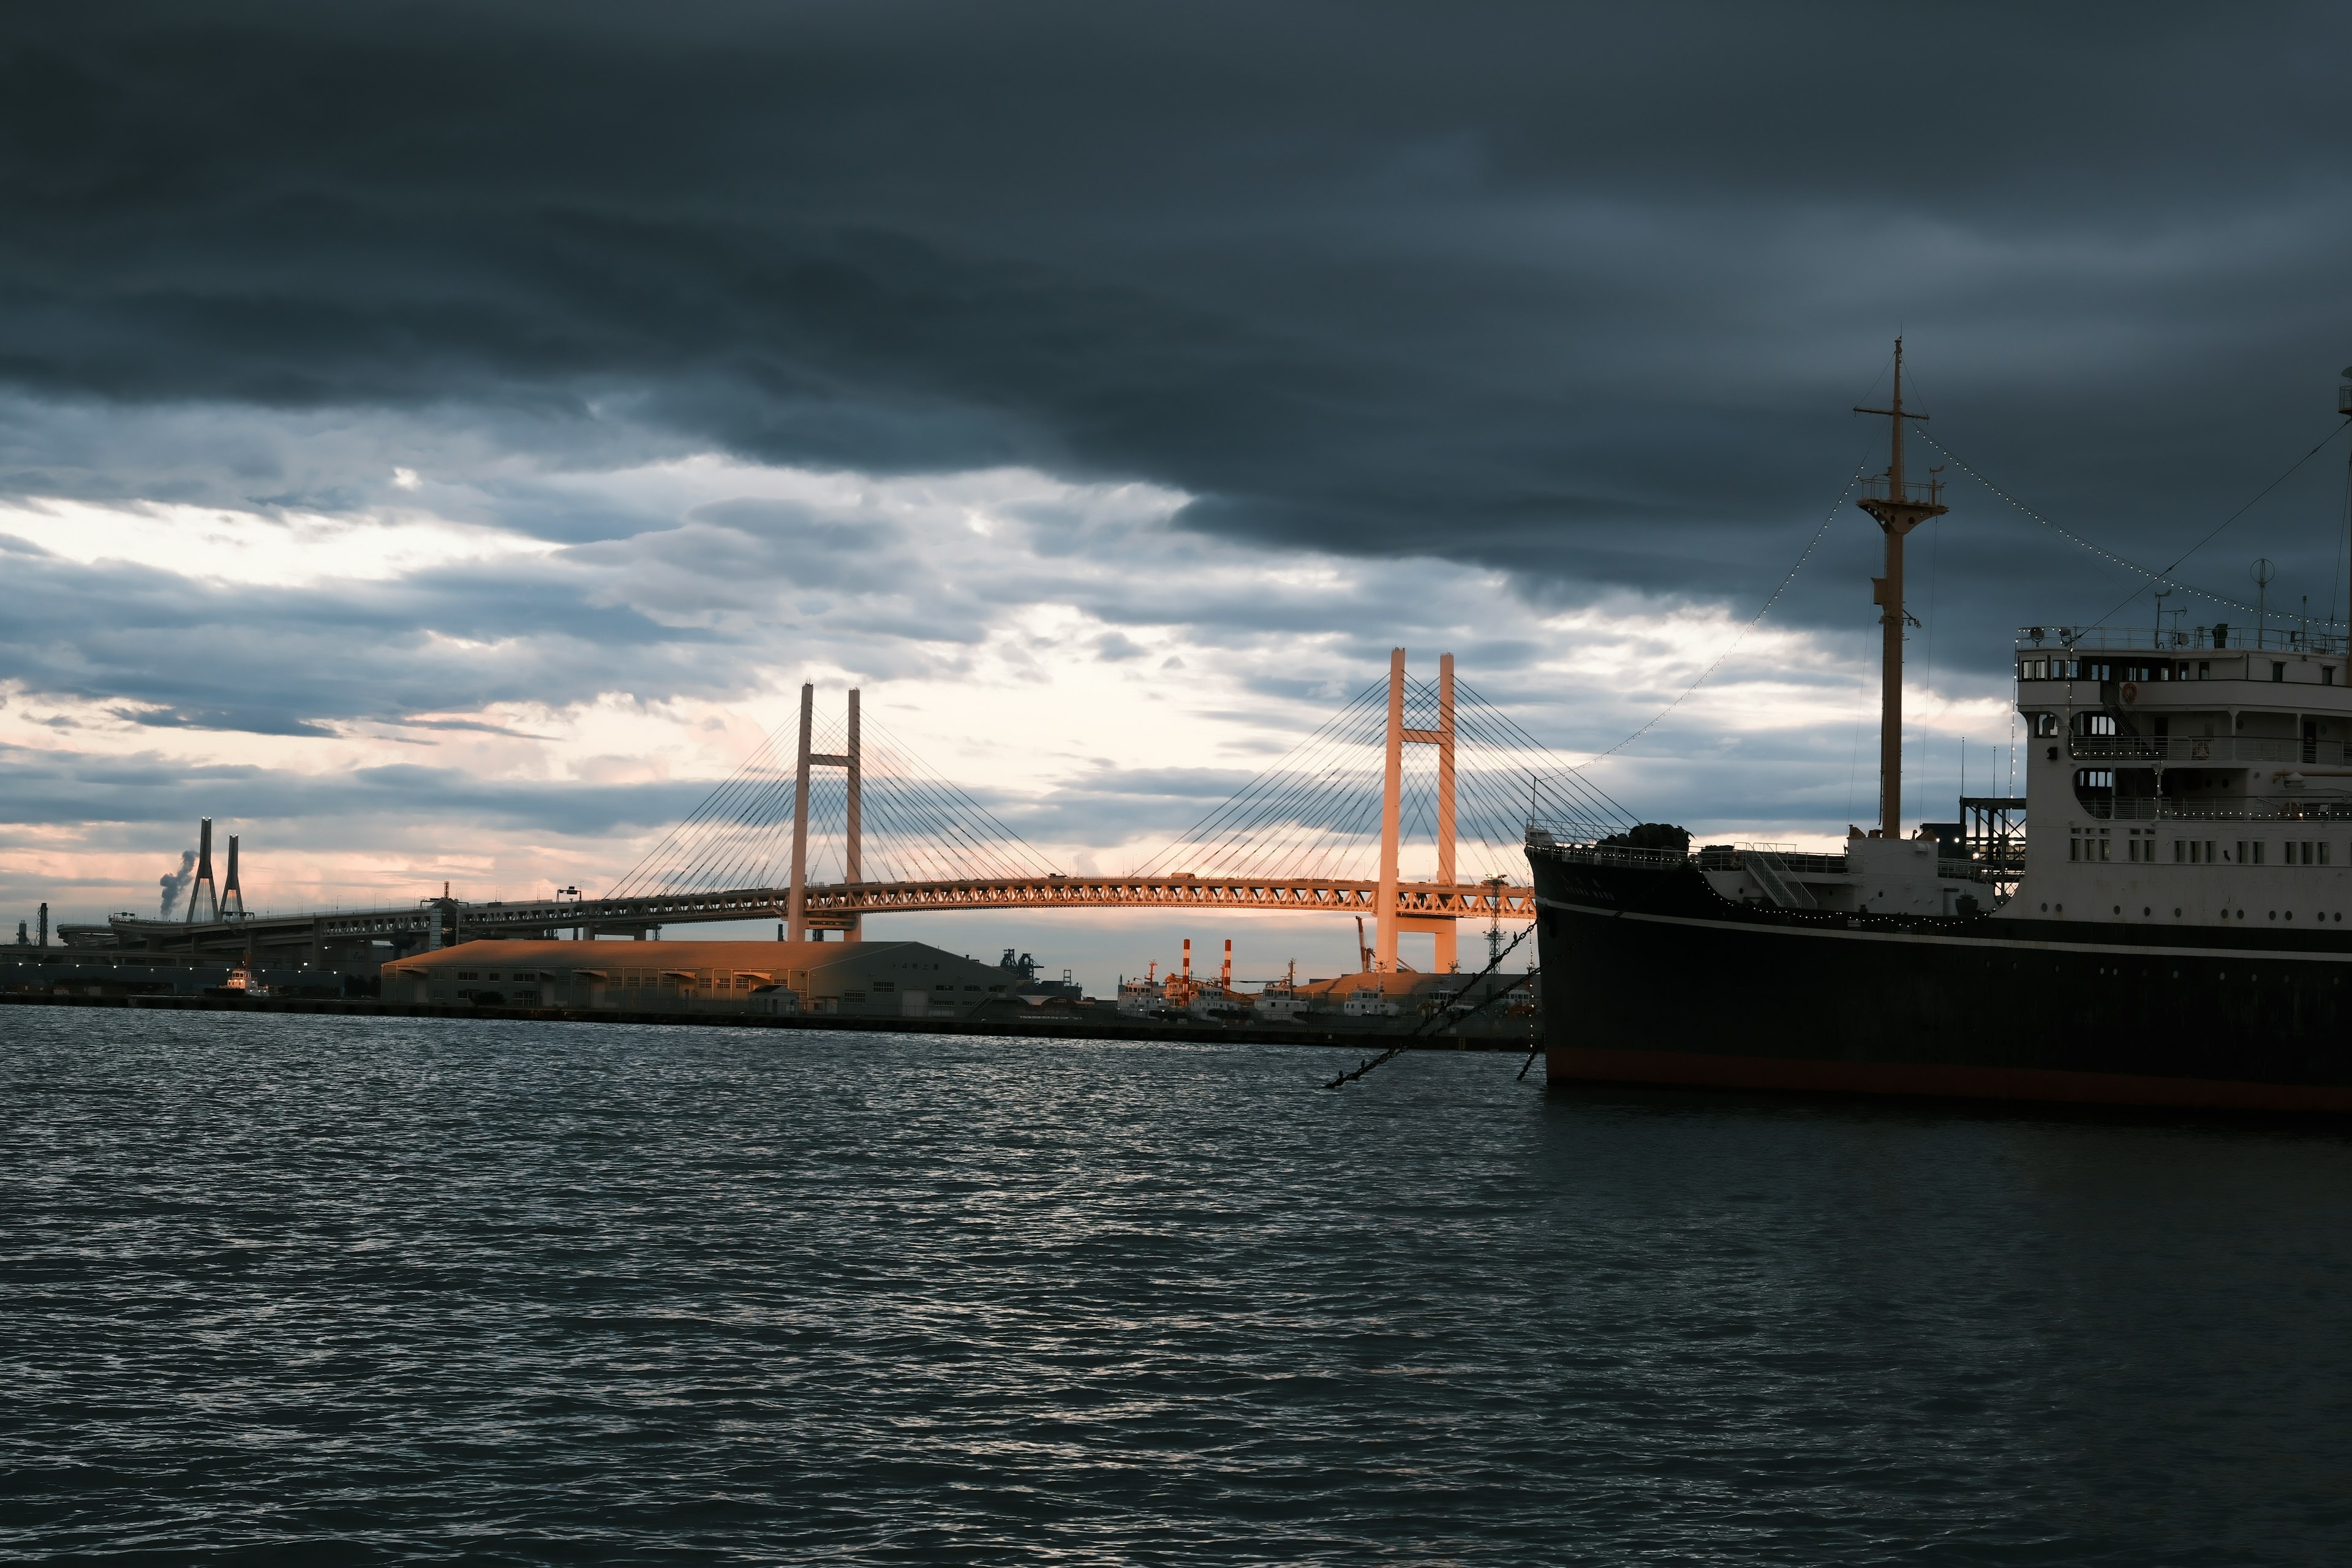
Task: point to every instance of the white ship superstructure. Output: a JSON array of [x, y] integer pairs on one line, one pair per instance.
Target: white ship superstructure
[[2179, 780]]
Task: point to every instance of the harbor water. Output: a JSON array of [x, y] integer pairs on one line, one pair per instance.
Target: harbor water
[[296, 1288]]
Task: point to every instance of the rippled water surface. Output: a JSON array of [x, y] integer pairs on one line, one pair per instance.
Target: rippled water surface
[[340, 1289]]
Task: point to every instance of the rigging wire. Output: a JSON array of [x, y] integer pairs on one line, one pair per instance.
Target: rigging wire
[[2163, 576], [1742, 635]]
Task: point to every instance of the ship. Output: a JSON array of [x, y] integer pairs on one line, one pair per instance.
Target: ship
[[2159, 920]]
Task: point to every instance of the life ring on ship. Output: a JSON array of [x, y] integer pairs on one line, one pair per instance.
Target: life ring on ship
[[2200, 749], [2131, 692]]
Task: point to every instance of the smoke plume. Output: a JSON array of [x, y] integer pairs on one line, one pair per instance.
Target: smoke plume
[[176, 882]]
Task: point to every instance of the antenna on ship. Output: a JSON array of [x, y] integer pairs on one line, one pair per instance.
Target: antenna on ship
[[1899, 507]]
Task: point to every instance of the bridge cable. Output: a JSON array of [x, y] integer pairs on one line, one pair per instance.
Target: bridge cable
[[1273, 789], [1279, 777]]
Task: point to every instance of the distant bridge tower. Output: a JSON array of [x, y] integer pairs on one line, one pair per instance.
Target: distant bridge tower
[[230, 892], [1393, 812], [204, 882], [798, 921]]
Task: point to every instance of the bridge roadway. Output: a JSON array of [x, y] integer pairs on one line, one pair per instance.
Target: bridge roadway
[[439, 921]]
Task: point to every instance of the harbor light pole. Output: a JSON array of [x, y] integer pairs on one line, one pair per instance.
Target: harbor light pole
[[1899, 507]]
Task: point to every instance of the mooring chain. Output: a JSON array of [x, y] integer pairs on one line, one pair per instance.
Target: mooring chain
[[1492, 964]]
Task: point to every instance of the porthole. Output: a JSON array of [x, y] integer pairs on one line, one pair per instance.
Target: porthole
[[2061, 909], [2119, 909], [2144, 910], [2176, 914], [2290, 914], [2045, 909]]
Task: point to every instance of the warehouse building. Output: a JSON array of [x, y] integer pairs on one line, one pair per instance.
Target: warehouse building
[[851, 979]]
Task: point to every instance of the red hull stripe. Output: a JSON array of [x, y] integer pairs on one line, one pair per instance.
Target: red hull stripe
[[1567, 1064]]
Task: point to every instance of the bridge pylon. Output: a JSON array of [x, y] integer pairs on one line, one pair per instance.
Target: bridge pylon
[[1393, 922], [797, 920], [204, 883], [231, 893]]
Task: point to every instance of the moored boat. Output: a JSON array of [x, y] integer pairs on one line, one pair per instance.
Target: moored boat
[[2172, 931]]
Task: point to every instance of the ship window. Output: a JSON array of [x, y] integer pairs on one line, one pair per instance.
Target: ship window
[[2322, 852], [2104, 847], [2278, 670], [2045, 724], [2204, 669], [467, 975], [2258, 851]]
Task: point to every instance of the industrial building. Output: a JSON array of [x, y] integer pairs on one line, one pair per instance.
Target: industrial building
[[849, 979]]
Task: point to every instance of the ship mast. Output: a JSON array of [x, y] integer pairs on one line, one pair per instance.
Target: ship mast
[[1899, 507]]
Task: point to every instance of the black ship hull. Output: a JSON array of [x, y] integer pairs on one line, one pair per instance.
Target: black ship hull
[[1651, 977]]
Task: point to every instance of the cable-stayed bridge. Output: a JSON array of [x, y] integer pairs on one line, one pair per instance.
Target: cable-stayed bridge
[[1407, 808]]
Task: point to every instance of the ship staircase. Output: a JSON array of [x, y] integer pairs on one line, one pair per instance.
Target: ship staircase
[[1771, 874]]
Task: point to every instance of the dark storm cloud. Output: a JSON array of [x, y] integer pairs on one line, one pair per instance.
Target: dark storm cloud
[[173, 652], [1581, 292]]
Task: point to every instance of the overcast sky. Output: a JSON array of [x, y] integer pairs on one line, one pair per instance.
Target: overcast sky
[[436, 442]]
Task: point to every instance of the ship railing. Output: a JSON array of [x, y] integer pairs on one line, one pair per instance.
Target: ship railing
[[1591, 854], [2216, 749], [1732, 857], [2296, 636], [1790, 863], [2165, 808], [1879, 487]]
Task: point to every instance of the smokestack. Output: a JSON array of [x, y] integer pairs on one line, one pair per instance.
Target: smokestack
[[44, 928], [1225, 976], [1188, 958]]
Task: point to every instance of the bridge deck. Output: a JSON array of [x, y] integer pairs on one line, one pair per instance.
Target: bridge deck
[[833, 901]]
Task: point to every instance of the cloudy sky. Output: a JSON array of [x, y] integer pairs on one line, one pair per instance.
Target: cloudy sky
[[436, 442]]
